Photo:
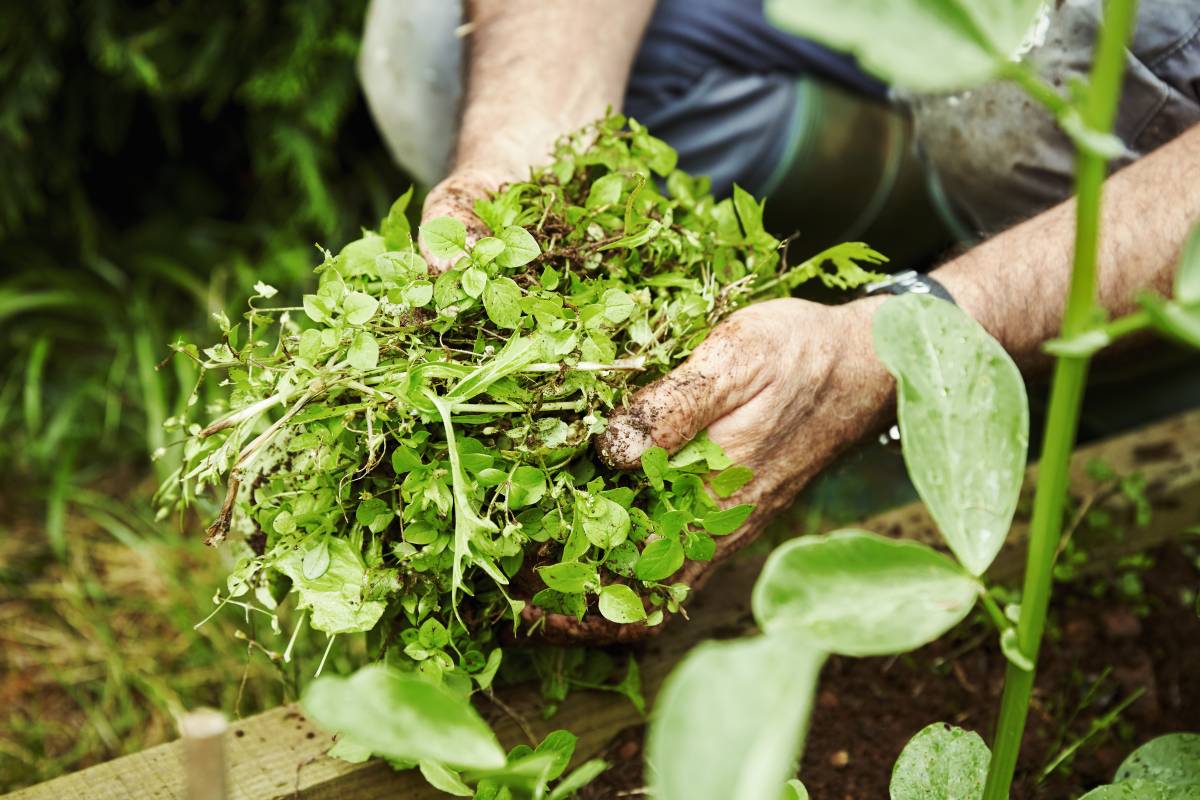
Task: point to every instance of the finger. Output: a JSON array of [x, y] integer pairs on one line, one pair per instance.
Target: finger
[[728, 369]]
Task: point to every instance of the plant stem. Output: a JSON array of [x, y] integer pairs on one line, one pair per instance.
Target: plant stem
[[1066, 395]]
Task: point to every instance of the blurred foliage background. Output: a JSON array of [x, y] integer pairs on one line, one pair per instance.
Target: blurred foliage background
[[156, 159]]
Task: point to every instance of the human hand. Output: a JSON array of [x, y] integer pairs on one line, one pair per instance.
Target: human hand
[[455, 197], [783, 386]]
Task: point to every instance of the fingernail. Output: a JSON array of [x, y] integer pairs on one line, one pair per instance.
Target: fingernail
[[623, 442]]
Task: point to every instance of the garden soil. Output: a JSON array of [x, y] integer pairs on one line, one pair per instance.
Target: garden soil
[[1113, 635]]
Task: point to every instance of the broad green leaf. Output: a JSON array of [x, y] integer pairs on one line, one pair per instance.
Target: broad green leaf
[[617, 306], [502, 301], [561, 745], [859, 594], [659, 560], [923, 45], [316, 560], [941, 763], [605, 191], [519, 247], [359, 307], [1187, 281], [1173, 760], [619, 603], [571, 577], [336, 594], [364, 351], [728, 481], [486, 250], [402, 716], [729, 721], [721, 523], [318, 308], [605, 523], [473, 281], [444, 779], [964, 420], [444, 237], [418, 293], [405, 459], [527, 486], [1143, 790]]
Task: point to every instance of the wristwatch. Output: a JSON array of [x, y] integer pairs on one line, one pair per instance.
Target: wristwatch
[[909, 282]]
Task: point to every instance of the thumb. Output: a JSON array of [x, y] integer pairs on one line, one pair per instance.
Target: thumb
[[723, 373]]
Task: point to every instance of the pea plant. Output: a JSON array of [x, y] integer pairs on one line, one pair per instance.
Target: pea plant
[[407, 455], [963, 417]]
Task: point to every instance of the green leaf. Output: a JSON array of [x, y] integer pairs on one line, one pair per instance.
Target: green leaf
[[444, 779], [519, 247], [364, 351], [617, 306], [941, 763], [728, 481], [660, 559], [359, 307], [961, 44], [729, 721], [794, 790], [1010, 646], [720, 523], [619, 603], [418, 293], [605, 191], [486, 250], [581, 776], [605, 523], [859, 594], [317, 308], [654, 464], [473, 281], [570, 577], [560, 745], [967, 466], [335, 595], [444, 237], [404, 459], [401, 716], [1173, 760], [527, 486], [502, 301], [1179, 322], [1187, 281], [316, 561], [1143, 790], [395, 229]]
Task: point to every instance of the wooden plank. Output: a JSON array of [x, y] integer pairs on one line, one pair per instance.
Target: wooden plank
[[279, 754]]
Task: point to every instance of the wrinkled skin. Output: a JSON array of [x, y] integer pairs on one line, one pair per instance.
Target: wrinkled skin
[[783, 386]]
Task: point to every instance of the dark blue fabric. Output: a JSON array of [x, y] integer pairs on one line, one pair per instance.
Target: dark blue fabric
[[717, 81]]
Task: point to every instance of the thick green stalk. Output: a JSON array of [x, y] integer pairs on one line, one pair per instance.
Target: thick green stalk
[[1066, 395]]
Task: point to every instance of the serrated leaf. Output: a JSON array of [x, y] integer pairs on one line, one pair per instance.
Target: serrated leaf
[[855, 593], [967, 466]]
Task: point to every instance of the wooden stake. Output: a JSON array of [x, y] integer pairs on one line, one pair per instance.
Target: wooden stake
[[203, 751]]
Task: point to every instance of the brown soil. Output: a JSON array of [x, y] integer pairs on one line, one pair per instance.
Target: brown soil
[[1108, 639]]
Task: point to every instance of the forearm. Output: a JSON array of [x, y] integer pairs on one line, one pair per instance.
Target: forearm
[[538, 69], [1016, 283]]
